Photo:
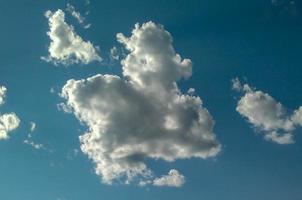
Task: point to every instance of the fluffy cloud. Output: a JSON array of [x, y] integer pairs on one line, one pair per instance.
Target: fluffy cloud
[[173, 179], [2, 94], [66, 47], [143, 114], [266, 114], [8, 123]]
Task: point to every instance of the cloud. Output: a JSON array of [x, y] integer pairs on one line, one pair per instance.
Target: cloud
[[33, 144], [142, 115], [66, 47], [8, 123], [266, 114], [114, 53], [77, 15], [2, 94], [29, 138], [32, 126], [173, 179], [297, 116]]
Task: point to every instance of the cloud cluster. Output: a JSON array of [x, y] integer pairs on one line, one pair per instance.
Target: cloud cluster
[[66, 47], [29, 140], [142, 115], [32, 126], [33, 144], [8, 121], [266, 114], [173, 179]]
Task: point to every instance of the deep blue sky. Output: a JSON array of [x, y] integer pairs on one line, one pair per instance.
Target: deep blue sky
[[224, 39]]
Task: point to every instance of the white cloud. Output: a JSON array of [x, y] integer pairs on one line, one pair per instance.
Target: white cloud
[[191, 91], [297, 116], [77, 15], [2, 94], [33, 144], [266, 114], [29, 140], [32, 126], [114, 54], [173, 179], [8, 123], [143, 114], [66, 47]]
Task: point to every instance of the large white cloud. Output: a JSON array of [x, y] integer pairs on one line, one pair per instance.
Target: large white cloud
[[2, 94], [266, 114], [66, 46], [173, 179], [142, 115]]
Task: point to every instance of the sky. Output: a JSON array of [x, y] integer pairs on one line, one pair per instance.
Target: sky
[[150, 100]]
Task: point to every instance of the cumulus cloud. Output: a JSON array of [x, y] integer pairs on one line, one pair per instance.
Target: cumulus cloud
[[8, 123], [266, 114], [142, 114], [2, 94], [173, 179], [66, 46]]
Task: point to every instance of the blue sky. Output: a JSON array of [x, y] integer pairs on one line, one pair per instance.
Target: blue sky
[[258, 42]]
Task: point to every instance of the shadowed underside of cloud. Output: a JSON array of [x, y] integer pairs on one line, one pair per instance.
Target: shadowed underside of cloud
[[8, 121], [266, 114], [66, 47], [142, 114]]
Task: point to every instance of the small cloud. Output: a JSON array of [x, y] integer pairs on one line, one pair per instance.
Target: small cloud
[[266, 114], [77, 15], [33, 144], [114, 54], [172, 179], [63, 107], [32, 126], [191, 91], [8, 121], [52, 90], [2, 94], [66, 46]]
